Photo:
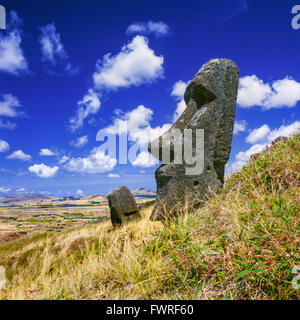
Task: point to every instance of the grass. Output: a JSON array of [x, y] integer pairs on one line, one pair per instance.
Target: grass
[[242, 244]]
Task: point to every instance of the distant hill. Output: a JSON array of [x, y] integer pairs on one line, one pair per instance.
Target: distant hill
[[94, 197], [91, 199], [33, 199], [142, 192], [27, 199]]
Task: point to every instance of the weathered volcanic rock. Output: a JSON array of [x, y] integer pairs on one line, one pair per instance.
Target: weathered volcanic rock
[[211, 102], [123, 207]]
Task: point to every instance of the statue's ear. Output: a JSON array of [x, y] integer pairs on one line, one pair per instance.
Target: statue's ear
[[2, 18]]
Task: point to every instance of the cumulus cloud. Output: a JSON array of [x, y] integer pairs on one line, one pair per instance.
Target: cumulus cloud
[[90, 104], [258, 134], [284, 131], [181, 106], [239, 126], [113, 175], [136, 124], [4, 146], [63, 159], [79, 193], [265, 136], [134, 65], [179, 89], [12, 59], [159, 29], [145, 160], [46, 152], [43, 171], [5, 190], [80, 142], [9, 105], [96, 162], [281, 93], [19, 155], [178, 92]]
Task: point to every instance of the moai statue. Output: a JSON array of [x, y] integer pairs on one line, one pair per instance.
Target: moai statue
[[204, 129]]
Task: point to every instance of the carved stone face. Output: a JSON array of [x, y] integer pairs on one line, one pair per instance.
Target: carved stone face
[[211, 102]]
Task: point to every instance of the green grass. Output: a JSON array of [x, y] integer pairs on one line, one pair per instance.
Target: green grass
[[242, 244]]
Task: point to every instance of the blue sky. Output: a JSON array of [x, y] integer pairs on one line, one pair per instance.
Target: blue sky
[[71, 68]]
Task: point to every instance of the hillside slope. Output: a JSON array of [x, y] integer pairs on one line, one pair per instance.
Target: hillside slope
[[242, 244], [27, 199]]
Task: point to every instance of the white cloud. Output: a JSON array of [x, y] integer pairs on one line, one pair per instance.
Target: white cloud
[[145, 160], [181, 106], [43, 171], [63, 159], [178, 92], [285, 131], [90, 104], [135, 119], [242, 157], [51, 45], [53, 50], [113, 175], [266, 136], [252, 91], [179, 89], [4, 146], [46, 152], [96, 162], [21, 190], [281, 93], [138, 126], [12, 59], [5, 190], [159, 29], [8, 106], [79, 193], [134, 65], [7, 125], [239, 126], [80, 142], [258, 134], [19, 155]]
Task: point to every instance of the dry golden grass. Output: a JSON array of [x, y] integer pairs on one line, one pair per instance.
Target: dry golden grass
[[241, 245], [67, 265]]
